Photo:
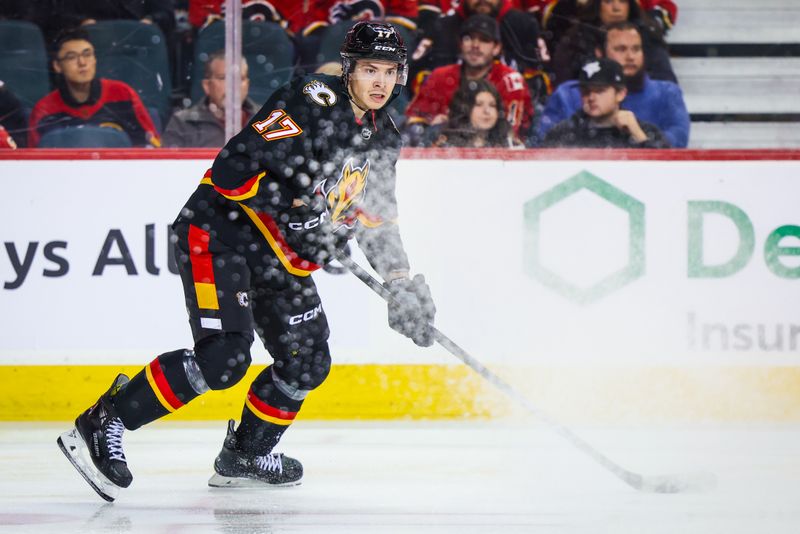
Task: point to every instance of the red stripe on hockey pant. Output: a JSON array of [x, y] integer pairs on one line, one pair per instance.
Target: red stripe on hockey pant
[[291, 256], [199, 256]]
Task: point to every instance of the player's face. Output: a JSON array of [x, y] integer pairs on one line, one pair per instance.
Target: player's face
[[484, 112], [214, 85], [372, 82], [625, 47], [600, 102], [76, 61], [478, 50], [612, 11]]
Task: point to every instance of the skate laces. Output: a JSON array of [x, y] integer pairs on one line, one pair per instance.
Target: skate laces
[[114, 439], [271, 462]]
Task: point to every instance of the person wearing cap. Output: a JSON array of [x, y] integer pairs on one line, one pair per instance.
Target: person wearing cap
[[659, 102], [480, 46], [601, 123], [523, 47]]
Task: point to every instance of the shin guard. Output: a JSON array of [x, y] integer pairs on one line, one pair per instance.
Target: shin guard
[[163, 386], [270, 407]]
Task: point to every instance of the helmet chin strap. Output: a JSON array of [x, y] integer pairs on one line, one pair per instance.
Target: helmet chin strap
[[365, 110], [350, 96]]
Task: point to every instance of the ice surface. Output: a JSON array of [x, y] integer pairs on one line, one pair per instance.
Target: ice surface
[[464, 477]]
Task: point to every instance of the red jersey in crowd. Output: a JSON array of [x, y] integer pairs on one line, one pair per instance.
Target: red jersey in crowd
[[111, 103], [283, 12], [327, 12], [442, 7], [6, 141], [303, 17], [436, 93]]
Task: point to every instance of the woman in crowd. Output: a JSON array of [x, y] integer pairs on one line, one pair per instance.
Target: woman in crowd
[[476, 119]]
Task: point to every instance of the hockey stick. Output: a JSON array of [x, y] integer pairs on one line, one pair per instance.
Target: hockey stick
[[695, 482]]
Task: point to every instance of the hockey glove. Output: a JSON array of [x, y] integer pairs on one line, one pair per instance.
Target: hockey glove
[[411, 309]]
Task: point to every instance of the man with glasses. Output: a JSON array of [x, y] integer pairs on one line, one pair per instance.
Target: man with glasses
[[203, 124], [81, 98]]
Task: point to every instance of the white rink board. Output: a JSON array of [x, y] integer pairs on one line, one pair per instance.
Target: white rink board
[[464, 227]]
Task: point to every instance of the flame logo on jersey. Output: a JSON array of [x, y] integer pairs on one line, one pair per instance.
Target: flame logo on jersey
[[319, 93], [356, 10], [345, 195]]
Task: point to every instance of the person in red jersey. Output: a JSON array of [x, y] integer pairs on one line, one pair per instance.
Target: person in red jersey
[[83, 99], [480, 46]]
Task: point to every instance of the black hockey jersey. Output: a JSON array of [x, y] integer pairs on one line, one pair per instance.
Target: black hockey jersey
[[309, 175]]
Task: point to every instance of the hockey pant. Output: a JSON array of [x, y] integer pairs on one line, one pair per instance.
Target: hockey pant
[[230, 292]]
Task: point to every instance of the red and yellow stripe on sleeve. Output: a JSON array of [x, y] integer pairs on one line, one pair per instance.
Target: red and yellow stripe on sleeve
[[249, 189], [265, 412], [202, 269]]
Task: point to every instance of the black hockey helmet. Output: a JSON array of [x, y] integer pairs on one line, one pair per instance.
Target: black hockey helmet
[[374, 40]]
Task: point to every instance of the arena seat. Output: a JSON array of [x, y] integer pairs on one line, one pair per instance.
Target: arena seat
[[23, 63], [737, 63], [736, 21], [755, 135], [135, 53], [268, 50], [85, 137], [737, 85]]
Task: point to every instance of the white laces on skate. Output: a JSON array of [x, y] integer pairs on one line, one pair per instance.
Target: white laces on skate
[[271, 462], [114, 439]]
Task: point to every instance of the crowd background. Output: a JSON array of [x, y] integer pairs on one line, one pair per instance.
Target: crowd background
[[495, 73]]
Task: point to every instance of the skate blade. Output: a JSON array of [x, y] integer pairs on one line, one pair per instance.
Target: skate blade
[[221, 481], [74, 448]]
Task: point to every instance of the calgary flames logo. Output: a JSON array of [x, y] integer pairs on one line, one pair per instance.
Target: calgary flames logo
[[320, 93], [345, 195]]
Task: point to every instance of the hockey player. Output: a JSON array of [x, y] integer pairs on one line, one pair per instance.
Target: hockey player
[[314, 167]]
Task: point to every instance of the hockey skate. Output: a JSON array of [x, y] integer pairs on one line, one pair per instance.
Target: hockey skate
[[237, 469], [94, 446]]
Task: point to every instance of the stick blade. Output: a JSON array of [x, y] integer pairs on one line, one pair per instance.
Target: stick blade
[[700, 482]]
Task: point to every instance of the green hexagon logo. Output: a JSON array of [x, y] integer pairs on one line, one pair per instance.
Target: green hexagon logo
[[634, 265]]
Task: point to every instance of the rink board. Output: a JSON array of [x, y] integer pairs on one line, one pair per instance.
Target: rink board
[[619, 285]]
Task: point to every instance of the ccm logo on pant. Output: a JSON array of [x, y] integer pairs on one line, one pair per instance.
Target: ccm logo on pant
[[307, 316]]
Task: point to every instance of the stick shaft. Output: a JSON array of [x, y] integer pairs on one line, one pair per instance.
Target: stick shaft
[[628, 477]]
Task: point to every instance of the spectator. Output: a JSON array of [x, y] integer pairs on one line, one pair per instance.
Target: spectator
[[558, 16], [158, 12], [476, 119], [6, 141], [316, 21], [663, 12], [519, 32], [430, 11], [203, 124], [282, 12], [480, 45], [655, 101], [308, 22], [579, 42], [80, 98], [12, 120], [602, 123]]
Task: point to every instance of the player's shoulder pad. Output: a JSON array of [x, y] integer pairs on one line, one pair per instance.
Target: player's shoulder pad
[[321, 89]]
